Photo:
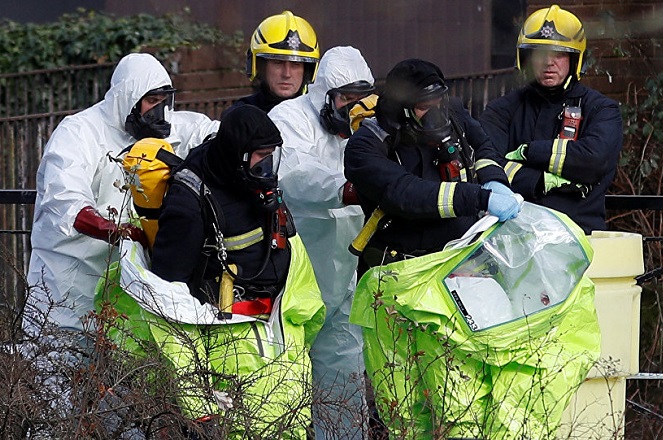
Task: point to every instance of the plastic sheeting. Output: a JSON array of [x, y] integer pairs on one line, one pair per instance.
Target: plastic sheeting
[[488, 338], [269, 358]]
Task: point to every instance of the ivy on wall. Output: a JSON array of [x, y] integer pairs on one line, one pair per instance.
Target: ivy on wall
[[89, 37]]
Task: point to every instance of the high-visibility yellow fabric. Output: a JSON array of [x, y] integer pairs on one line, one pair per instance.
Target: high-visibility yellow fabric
[[436, 372]]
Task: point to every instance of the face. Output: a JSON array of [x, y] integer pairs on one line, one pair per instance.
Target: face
[[421, 108], [150, 101], [343, 99], [550, 68], [259, 155], [284, 78]]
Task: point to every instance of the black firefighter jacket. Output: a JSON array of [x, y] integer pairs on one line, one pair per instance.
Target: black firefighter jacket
[[179, 241], [424, 212], [526, 116]]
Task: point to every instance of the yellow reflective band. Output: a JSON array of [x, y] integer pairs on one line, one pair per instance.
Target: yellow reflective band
[[243, 241], [483, 163], [511, 168], [445, 199], [463, 174], [557, 157]]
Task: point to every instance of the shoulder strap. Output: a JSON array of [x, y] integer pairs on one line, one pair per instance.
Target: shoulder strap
[[388, 140], [213, 222], [372, 124], [170, 159]]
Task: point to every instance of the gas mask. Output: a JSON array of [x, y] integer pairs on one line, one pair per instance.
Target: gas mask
[[156, 121], [433, 128], [337, 120], [264, 173], [262, 177]]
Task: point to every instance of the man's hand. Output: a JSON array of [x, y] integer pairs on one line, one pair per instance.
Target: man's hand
[[504, 207], [497, 187], [519, 154], [134, 233], [91, 223], [553, 182]]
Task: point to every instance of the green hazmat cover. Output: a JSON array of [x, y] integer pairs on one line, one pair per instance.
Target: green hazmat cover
[[267, 360], [489, 338]]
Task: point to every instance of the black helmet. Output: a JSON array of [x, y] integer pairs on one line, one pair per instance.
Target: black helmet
[[409, 83], [337, 120], [155, 122], [244, 130]]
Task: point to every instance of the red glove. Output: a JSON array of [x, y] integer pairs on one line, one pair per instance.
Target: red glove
[[91, 223], [349, 194]]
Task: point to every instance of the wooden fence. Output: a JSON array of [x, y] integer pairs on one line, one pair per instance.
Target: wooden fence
[[33, 103]]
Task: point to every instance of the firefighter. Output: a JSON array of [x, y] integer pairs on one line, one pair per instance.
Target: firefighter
[[239, 167], [315, 128], [79, 213], [282, 60], [224, 224], [415, 161], [559, 140]]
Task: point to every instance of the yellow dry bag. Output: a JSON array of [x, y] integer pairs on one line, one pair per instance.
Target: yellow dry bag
[[148, 164]]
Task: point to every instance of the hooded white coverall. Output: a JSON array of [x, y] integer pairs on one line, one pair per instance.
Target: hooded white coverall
[[75, 172], [311, 177]]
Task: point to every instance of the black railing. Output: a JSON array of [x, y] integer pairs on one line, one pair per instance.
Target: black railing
[[17, 196], [616, 202]]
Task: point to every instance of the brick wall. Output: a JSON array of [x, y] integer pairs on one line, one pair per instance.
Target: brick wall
[[209, 73], [623, 50]]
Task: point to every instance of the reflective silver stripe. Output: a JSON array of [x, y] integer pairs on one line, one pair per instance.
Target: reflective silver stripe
[[483, 163], [445, 199], [511, 168], [463, 174], [243, 241], [557, 157]]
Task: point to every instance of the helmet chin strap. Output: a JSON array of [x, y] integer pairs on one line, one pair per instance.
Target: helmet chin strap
[[569, 81]]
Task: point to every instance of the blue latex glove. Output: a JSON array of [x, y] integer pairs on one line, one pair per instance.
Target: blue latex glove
[[518, 154], [502, 206], [497, 187]]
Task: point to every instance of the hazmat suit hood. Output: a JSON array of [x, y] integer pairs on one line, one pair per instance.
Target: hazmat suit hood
[[244, 129], [135, 75], [339, 66]]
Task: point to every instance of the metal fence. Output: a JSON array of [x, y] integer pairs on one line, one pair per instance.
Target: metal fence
[[33, 103]]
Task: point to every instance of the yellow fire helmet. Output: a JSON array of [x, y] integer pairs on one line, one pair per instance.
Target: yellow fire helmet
[[284, 37], [554, 29]]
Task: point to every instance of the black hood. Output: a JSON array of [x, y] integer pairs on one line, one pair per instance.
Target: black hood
[[405, 85], [243, 129]]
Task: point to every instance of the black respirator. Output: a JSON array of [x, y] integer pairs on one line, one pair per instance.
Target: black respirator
[[433, 128], [336, 121], [156, 121]]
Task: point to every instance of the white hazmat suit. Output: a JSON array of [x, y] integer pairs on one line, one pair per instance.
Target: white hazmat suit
[[76, 172], [311, 176]]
